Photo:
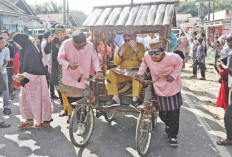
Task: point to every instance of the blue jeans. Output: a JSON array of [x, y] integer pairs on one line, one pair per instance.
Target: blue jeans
[[5, 94]]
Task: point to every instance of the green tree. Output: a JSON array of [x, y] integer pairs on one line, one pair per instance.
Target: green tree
[[222, 5], [46, 7], [191, 7], [79, 16]]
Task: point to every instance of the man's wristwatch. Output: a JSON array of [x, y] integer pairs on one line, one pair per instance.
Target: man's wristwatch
[[137, 51], [119, 56]]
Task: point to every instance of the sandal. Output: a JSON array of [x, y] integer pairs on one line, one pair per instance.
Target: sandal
[[4, 125], [42, 125], [63, 113], [7, 111], [224, 142], [26, 124], [68, 120]]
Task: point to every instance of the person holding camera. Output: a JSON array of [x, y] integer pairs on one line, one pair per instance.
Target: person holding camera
[[223, 95], [200, 60], [227, 51], [217, 47], [52, 47]]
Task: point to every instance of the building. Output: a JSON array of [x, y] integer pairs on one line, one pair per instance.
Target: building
[[182, 19], [15, 19], [52, 19], [220, 23]]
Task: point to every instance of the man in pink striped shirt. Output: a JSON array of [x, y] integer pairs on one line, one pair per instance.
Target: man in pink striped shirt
[[77, 56], [168, 89]]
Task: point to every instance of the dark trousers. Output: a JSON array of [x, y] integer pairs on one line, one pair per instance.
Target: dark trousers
[[201, 66], [52, 92], [10, 79], [171, 119], [228, 122], [228, 118], [47, 75]]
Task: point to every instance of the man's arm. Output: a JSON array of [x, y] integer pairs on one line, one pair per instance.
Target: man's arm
[[95, 61], [61, 57], [47, 48], [143, 66], [141, 52], [6, 60], [12, 52], [177, 63], [4, 66], [226, 51]]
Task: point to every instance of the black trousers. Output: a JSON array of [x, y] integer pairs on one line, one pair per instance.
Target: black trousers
[[202, 68], [171, 119], [228, 118], [47, 75], [228, 122], [52, 93], [10, 79]]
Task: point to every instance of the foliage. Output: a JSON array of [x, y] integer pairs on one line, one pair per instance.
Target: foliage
[[187, 7], [79, 16], [191, 7], [222, 5], [46, 8], [53, 8]]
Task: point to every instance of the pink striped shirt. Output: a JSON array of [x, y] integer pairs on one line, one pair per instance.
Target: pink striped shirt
[[170, 65], [86, 58]]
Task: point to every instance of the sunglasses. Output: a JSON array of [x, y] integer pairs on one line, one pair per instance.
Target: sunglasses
[[153, 52], [127, 40], [80, 47]]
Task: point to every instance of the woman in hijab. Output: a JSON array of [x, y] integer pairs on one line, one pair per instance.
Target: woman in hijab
[[34, 102]]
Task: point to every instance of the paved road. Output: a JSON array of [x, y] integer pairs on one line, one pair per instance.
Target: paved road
[[196, 136]]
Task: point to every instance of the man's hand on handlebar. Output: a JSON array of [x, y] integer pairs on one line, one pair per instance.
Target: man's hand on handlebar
[[169, 78], [98, 75]]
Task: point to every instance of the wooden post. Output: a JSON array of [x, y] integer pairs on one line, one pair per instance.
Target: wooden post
[[105, 56], [112, 45]]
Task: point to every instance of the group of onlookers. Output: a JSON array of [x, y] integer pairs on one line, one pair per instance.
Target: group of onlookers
[[61, 62]]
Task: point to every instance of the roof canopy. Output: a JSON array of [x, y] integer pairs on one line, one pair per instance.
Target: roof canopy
[[133, 16]]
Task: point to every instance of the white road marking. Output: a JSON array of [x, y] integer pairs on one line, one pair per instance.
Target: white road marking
[[221, 149]]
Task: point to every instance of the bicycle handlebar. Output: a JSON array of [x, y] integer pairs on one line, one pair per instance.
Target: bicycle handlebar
[[140, 77]]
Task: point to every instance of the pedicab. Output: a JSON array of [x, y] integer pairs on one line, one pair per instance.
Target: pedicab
[[104, 23]]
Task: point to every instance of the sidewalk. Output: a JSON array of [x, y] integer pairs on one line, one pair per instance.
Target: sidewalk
[[206, 91]]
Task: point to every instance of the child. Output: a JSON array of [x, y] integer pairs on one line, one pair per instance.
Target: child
[[223, 95], [200, 60], [180, 53]]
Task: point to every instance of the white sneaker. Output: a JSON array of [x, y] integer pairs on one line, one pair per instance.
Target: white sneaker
[[80, 129]]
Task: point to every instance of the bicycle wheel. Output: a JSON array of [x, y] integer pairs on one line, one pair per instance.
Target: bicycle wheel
[[109, 116], [81, 125], [143, 133]]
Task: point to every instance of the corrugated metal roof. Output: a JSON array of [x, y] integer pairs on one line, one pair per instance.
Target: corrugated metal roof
[[160, 14]]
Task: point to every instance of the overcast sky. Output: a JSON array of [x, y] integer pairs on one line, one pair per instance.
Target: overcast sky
[[87, 5]]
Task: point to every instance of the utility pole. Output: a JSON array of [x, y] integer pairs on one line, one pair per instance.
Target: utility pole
[[201, 14], [67, 14], [132, 2], [213, 18], [64, 12], [208, 29]]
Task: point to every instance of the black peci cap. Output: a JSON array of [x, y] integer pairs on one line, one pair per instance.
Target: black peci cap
[[46, 34], [229, 37], [78, 37]]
